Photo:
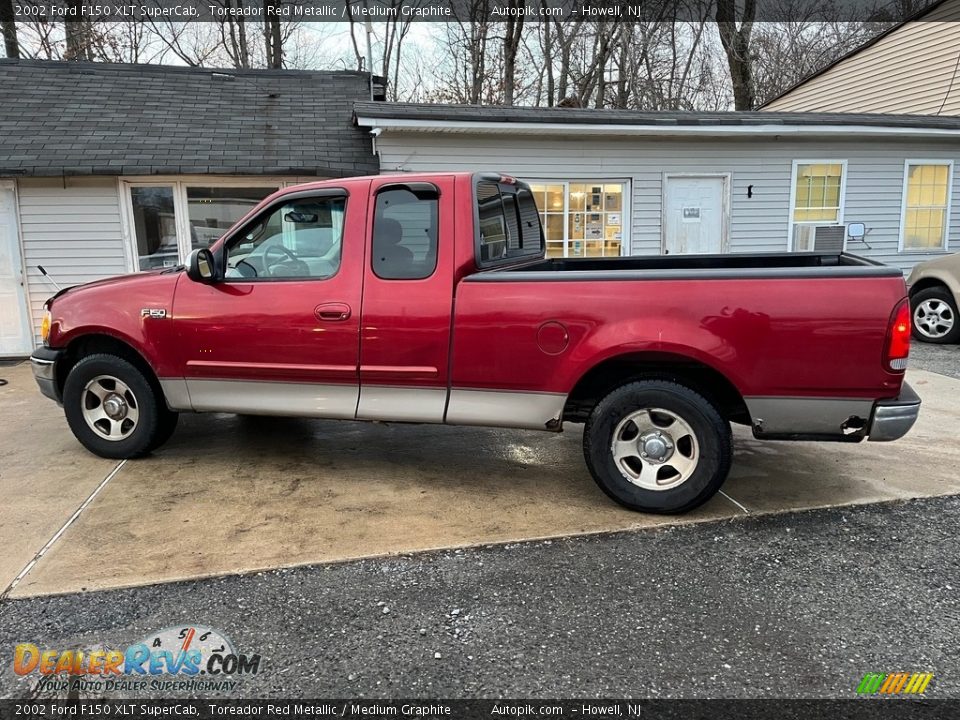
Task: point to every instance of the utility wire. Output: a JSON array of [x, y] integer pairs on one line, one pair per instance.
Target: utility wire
[[953, 79]]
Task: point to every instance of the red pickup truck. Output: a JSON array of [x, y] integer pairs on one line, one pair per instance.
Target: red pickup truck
[[428, 299]]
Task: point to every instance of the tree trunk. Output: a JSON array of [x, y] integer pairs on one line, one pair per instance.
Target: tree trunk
[[78, 46], [511, 46], [736, 44], [76, 34], [10, 42], [548, 59], [271, 35]]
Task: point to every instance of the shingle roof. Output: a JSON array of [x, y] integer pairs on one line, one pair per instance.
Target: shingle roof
[[104, 119], [666, 118]]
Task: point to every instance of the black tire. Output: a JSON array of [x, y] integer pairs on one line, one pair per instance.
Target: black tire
[[710, 442], [934, 297], [145, 432], [167, 426]]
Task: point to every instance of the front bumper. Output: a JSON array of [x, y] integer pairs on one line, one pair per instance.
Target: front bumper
[[44, 365], [892, 419]]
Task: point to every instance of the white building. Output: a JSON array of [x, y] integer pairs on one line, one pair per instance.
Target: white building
[[625, 182]]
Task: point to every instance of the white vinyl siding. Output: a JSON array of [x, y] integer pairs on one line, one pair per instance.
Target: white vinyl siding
[[72, 227], [758, 167], [910, 71]]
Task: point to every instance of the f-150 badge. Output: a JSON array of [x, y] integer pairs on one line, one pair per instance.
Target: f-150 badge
[[155, 313]]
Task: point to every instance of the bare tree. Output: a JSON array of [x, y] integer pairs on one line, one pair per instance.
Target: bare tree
[[395, 31], [736, 44], [787, 52], [11, 43]]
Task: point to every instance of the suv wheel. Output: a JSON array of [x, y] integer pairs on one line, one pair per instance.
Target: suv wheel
[[935, 316]]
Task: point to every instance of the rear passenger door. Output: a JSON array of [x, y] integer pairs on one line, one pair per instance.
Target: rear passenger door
[[407, 301]]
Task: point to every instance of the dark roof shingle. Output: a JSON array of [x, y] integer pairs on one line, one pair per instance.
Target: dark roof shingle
[[65, 118]]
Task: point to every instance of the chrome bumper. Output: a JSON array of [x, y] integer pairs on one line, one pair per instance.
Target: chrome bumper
[[892, 419], [43, 362]]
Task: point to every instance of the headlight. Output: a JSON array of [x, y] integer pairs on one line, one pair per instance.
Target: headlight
[[45, 328]]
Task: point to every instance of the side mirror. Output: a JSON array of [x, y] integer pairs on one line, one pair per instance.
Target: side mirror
[[856, 231], [200, 266]]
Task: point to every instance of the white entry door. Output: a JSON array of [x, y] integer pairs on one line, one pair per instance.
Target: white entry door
[[695, 214], [15, 334]]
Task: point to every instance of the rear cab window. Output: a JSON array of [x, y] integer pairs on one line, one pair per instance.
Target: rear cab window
[[507, 222]]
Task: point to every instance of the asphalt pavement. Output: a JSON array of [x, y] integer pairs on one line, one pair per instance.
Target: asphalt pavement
[[943, 359], [788, 605], [791, 605]]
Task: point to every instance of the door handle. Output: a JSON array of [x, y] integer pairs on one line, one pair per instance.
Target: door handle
[[332, 312]]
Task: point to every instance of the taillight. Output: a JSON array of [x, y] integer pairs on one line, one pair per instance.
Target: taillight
[[898, 337]]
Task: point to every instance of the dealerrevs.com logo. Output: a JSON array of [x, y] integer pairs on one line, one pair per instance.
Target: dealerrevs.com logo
[[192, 658]]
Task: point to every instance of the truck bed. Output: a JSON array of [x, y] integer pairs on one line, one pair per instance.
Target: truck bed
[[703, 267]]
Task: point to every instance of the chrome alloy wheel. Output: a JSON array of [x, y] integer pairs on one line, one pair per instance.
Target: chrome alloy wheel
[[110, 408], [655, 449], [934, 318]]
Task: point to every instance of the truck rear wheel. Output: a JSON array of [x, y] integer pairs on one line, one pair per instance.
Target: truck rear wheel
[[112, 408], [657, 446]]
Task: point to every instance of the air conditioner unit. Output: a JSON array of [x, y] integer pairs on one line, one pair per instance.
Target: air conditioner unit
[[828, 239]]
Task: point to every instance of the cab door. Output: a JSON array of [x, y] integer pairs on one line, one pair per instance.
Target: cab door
[[279, 333], [407, 301]]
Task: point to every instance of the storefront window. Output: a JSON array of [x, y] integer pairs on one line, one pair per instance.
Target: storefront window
[[154, 226], [170, 219], [583, 218]]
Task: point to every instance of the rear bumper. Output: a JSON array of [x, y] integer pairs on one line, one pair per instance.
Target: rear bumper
[[43, 362], [892, 419]]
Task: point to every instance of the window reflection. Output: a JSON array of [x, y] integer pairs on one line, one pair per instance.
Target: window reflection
[[214, 210]]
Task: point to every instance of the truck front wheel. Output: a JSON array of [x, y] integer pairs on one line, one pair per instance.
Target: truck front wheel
[[112, 408], [657, 446]]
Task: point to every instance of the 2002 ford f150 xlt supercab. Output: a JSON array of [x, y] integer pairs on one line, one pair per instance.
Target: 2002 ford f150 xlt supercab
[[428, 298]]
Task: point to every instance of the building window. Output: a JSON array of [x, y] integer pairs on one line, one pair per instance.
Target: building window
[[154, 227], [926, 205], [818, 190], [582, 218], [169, 219]]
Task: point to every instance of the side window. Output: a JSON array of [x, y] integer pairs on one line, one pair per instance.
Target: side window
[[493, 222], [301, 238], [405, 232], [532, 232], [509, 224]]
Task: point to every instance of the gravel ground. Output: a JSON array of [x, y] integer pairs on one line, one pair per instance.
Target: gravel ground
[[792, 605], [943, 359]]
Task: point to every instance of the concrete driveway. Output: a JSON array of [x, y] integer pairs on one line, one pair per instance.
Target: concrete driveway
[[234, 495]]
